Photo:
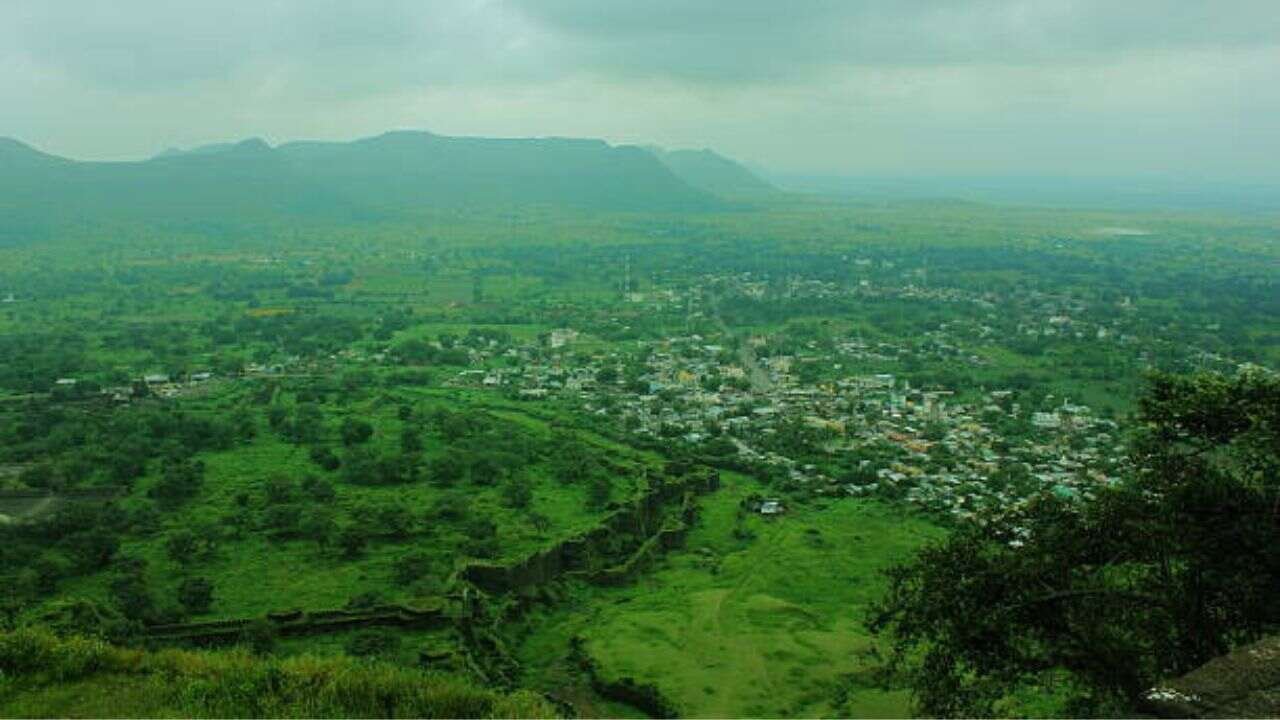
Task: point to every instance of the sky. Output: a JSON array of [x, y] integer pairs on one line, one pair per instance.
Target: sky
[[1083, 88]]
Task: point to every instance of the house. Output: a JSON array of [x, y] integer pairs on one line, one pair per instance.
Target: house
[[1048, 421], [562, 337]]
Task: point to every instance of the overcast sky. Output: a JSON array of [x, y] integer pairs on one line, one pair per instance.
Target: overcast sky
[[904, 87]]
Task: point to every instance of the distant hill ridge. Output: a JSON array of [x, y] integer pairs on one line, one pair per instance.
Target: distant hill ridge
[[710, 171], [391, 174]]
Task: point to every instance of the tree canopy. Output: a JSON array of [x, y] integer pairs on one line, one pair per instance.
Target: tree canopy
[[1161, 572]]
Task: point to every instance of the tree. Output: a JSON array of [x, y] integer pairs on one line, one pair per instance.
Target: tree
[[181, 545], [92, 548], [412, 566], [131, 594], [541, 523], [484, 469], [259, 636], [482, 538], [307, 425], [282, 521], [410, 440], [318, 525], [278, 490], [195, 595], [571, 461], [599, 490], [277, 417], [180, 480], [387, 519], [1173, 566], [356, 432], [324, 457], [448, 469], [351, 541], [319, 489], [517, 492], [242, 419], [82, 616]]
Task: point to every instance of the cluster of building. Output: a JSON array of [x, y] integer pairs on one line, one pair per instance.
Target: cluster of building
[[867, 434]]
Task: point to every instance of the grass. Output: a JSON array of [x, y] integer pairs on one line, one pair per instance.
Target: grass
[[46, 676], [764, 627], [253, 574]]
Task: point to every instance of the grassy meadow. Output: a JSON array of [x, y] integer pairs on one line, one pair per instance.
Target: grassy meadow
[[754, 616]]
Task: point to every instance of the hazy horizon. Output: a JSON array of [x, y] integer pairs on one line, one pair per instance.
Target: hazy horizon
[[938, 88]]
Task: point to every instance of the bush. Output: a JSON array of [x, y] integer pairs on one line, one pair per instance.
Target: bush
[[411, 567], [37, 650], [236, 684], [325, 458], [196, 595]]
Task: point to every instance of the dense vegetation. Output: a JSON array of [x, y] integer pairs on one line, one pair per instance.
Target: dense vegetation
[[43, 675], [355, 400], [1157, 575]]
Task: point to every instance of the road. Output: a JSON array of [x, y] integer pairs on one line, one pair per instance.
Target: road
[[756, 375]]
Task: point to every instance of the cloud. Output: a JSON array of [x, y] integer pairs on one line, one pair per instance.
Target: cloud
[[925, 86], [763, 40]]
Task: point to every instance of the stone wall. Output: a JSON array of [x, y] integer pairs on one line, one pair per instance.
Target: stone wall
[[298, 622], [588, 553]]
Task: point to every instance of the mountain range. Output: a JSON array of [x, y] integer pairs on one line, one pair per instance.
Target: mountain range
[[390, 175]]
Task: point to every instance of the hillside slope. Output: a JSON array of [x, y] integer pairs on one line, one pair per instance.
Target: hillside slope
[[42, 675], [714, 173]]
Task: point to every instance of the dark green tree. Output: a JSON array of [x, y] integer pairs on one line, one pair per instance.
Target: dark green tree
[[356, 432], [1176, 564], [195, 595], [517, 492]]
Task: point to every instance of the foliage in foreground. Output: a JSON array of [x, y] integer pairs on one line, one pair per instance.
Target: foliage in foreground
[[1154, 577], [43, 675]]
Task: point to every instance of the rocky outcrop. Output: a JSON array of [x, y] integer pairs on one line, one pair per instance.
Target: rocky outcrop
[[1244, 684]]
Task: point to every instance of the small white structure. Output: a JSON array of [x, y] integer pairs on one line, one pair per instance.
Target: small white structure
[[771, 507], [562, 337], [1046, 420]]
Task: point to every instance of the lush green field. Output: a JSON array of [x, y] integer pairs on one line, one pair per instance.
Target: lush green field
[[755, 616], [255, 571], [389, 401]]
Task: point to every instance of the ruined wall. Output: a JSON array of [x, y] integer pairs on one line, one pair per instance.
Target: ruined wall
[[644, 697], [588, 552], [472, 603], [298, 622]]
